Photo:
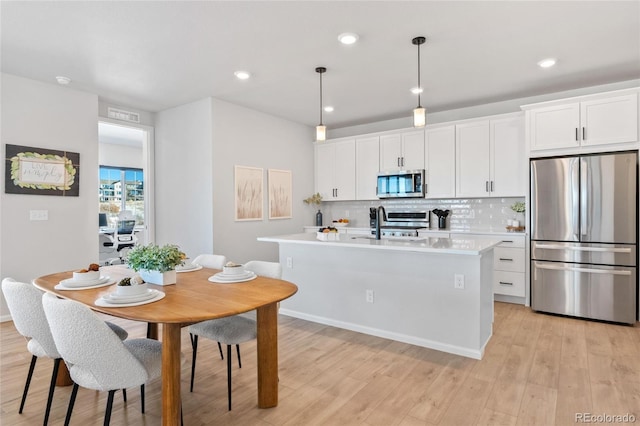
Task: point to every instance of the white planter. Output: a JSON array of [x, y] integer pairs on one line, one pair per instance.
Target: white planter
[[157, 277]]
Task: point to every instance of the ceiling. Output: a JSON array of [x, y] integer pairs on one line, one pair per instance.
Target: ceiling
[[153, 55]]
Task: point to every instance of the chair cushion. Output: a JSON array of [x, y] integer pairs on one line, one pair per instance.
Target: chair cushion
[[149, 353], [229, 330], [120, 332]]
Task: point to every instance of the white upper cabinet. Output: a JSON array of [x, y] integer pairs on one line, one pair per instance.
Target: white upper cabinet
[[602, 119], [440, 162], [472, 159], [367, 161], [509, 168], [335, 170], [402, 151], [490, 158]]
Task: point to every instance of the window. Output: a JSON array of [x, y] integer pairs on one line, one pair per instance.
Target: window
[[121, 189]]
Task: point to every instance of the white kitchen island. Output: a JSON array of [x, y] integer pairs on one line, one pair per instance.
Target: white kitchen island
[[400, 289]]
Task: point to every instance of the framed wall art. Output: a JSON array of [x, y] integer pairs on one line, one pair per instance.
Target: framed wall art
[[41, 171], [249, 194], [280, 194]]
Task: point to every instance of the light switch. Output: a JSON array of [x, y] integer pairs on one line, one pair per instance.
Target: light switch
[[38, 214]]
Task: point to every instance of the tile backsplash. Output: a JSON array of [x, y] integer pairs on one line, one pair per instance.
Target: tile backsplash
[[466, 214]]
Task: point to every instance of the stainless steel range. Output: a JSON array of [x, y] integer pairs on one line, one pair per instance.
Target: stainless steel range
[[400, 223]]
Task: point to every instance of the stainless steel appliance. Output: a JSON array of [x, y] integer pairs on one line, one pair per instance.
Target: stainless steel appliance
[[584, 233], [400, 224], [401, 184]]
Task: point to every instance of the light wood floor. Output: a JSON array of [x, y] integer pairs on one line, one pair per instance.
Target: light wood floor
[[537, 370]]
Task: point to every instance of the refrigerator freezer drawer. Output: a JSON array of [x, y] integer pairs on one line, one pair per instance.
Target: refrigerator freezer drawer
[[599, 254], [588, 291]]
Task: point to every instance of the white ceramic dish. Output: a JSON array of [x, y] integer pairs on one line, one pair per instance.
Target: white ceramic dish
[[70, 282], [339, 224], [221, 278], [62, 286], [119, 299], [235, 270], [86, 276], [131, 290], [186, 267], [327, 236], [108, 304], [194, 267]]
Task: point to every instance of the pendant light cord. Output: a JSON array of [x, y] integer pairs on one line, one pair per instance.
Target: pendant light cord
[[419, 86], [321, 98]]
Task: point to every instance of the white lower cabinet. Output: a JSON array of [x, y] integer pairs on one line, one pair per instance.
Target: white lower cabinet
[[509, 268]]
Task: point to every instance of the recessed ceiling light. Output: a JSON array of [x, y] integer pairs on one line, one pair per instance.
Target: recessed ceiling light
[[348, 38], [328, 108], [242, 75], [416, 90], [547, 63], [63, 80]]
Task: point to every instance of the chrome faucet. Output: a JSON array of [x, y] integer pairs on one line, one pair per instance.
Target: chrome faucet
[[378, 218]]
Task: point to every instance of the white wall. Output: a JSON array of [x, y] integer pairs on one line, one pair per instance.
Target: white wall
[[246, 137], [120, 156], [183, 177], [49, 116]]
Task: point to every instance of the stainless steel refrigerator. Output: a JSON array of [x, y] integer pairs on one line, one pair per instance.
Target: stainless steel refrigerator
[[584, 233]]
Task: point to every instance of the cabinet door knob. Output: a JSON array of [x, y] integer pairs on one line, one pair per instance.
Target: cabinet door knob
[[491, 186], [576, 134], [505, 283], [584, 133], [486, 186], [506, 259]]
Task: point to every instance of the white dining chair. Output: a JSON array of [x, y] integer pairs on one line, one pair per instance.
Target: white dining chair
[[25, 305], [231, 330], [96, 358], [213, 261]]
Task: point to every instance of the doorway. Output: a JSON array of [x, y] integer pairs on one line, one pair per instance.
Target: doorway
[[125, 158]]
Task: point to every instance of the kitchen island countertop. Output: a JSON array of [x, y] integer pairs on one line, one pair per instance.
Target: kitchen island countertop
[[455, 245]]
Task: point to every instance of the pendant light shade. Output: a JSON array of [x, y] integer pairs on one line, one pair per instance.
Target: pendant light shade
[[419, 113], [321, 129]]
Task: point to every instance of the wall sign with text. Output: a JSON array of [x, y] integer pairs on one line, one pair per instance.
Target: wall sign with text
[[41, 171]]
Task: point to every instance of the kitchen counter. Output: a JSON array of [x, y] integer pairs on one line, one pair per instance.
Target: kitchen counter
[[462, 246], [498, 232], [431, 292]]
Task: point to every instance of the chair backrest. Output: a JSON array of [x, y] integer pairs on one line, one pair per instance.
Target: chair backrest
[[126, 226], [214, 261], [265, 269], [96, 357], [25, 305]]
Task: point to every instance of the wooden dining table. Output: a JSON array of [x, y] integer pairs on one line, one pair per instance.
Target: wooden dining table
[[192, 299]]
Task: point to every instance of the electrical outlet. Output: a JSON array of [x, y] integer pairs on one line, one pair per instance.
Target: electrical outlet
[[38, 214], [369, 296], [458, 281], [346, 214], [289, 262]]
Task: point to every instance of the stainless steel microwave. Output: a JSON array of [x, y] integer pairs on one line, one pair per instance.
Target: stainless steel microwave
[[401, 184]]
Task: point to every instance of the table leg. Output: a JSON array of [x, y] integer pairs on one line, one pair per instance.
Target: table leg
[[171, 374], [63, 378], [152, 330], [267, 326]]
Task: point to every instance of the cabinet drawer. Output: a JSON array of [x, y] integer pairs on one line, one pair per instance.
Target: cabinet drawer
[[512, 242], [508, 259], [508, 283]]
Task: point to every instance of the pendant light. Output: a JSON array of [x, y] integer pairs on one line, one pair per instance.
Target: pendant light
[[321, 129], [419, 113]]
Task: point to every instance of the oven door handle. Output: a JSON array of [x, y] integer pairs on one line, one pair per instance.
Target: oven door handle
[[592, 249], [587, 270]]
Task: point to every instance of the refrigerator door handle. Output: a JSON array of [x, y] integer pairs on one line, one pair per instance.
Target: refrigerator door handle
[[593, 249], [587, 270], [584, 201], [575, 197]]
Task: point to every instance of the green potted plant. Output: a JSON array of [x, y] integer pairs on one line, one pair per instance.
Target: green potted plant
[[518, 207], [156, 265]]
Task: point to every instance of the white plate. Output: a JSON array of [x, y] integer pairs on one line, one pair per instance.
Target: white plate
[[62, 286], [116, 298], [188, 268], [223, 279], [107, 304], [70, 282], [234, 277]]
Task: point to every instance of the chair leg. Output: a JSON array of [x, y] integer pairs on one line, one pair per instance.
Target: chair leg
[[220, 349], [52, 387], [107, 413], [238, 350], [229, 375], [194, 345], [28, 382], [124, 395], [72, 401], [142, 398]]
